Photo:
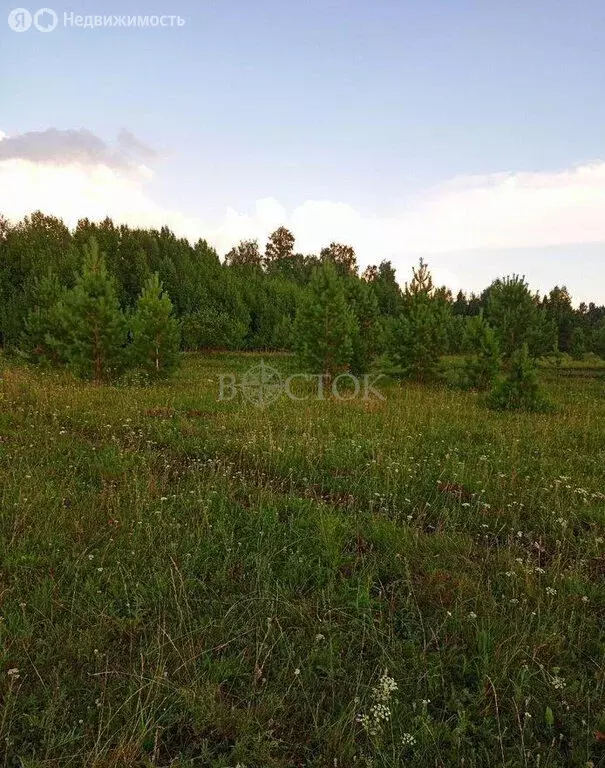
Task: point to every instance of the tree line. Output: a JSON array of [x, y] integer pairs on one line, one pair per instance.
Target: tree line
[[105, 297]]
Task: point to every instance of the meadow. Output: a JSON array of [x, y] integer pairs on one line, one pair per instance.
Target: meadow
[[407, 581]]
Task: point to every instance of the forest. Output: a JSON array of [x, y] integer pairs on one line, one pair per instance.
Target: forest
[[186, 580], [251, 299]]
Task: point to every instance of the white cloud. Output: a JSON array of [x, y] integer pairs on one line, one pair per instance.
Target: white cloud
[[501, 211], [76, 191]]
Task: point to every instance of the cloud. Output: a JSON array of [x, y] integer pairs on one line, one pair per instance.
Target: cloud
[[74, 174], [131, 145], [501, 211], [78, 190], [64, 147]]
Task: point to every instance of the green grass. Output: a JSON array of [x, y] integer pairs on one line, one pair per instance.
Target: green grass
[[190, 582]]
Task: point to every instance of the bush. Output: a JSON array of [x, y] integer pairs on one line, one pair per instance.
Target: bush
[[521, 389], [209, 328]]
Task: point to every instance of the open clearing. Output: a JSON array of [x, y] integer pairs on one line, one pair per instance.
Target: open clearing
[[191, 582]]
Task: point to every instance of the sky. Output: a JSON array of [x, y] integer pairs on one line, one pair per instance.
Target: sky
[[471, 134]]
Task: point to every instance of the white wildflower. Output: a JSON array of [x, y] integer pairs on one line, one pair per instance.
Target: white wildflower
[[407, 740]]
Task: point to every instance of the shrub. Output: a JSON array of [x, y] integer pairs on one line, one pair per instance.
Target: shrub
[[521, 389]]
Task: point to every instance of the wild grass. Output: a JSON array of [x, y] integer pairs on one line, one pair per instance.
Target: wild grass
[[191, 582]]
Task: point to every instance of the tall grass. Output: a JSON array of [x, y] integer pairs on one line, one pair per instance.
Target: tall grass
[[191, 582]]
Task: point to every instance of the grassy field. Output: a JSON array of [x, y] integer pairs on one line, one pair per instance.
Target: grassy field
[[414, 581]]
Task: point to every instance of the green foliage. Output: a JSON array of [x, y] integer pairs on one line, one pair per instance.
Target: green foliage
[[419, 334], [365, 340], [383, 282], [155, 331], [209, 328], [245, 254], [599, 339], [28, 250], [325, 325], [514, 314], [270, 302], [558, 308], [484, 364], [250, 301], [91, 329], [43, 321], [544, 337], [283, 338], [456, 332], [577, 345], [342, 256], [521, 389], [279, 248]]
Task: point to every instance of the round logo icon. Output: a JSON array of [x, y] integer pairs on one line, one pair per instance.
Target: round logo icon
[[19, 19], [45, 20], [261, 385]]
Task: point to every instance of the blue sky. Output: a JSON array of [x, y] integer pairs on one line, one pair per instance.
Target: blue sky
[[372, 106]]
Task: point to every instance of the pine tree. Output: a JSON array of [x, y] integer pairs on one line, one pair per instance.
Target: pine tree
[[324, 324], [155, 332], [484, 364], [92, 322], [422, 282], [365, 338], [514, 313], [419, 334], [521, 389], [43, 323]]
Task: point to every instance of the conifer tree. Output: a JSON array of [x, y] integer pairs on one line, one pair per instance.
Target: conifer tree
[[485, 362], [521, 389], [155, 331], [91, 321], [419, 334], [514, 313], [43, 324], [365, 336], [324, 324]]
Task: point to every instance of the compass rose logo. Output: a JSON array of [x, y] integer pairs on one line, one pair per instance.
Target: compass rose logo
[[261, 385]]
